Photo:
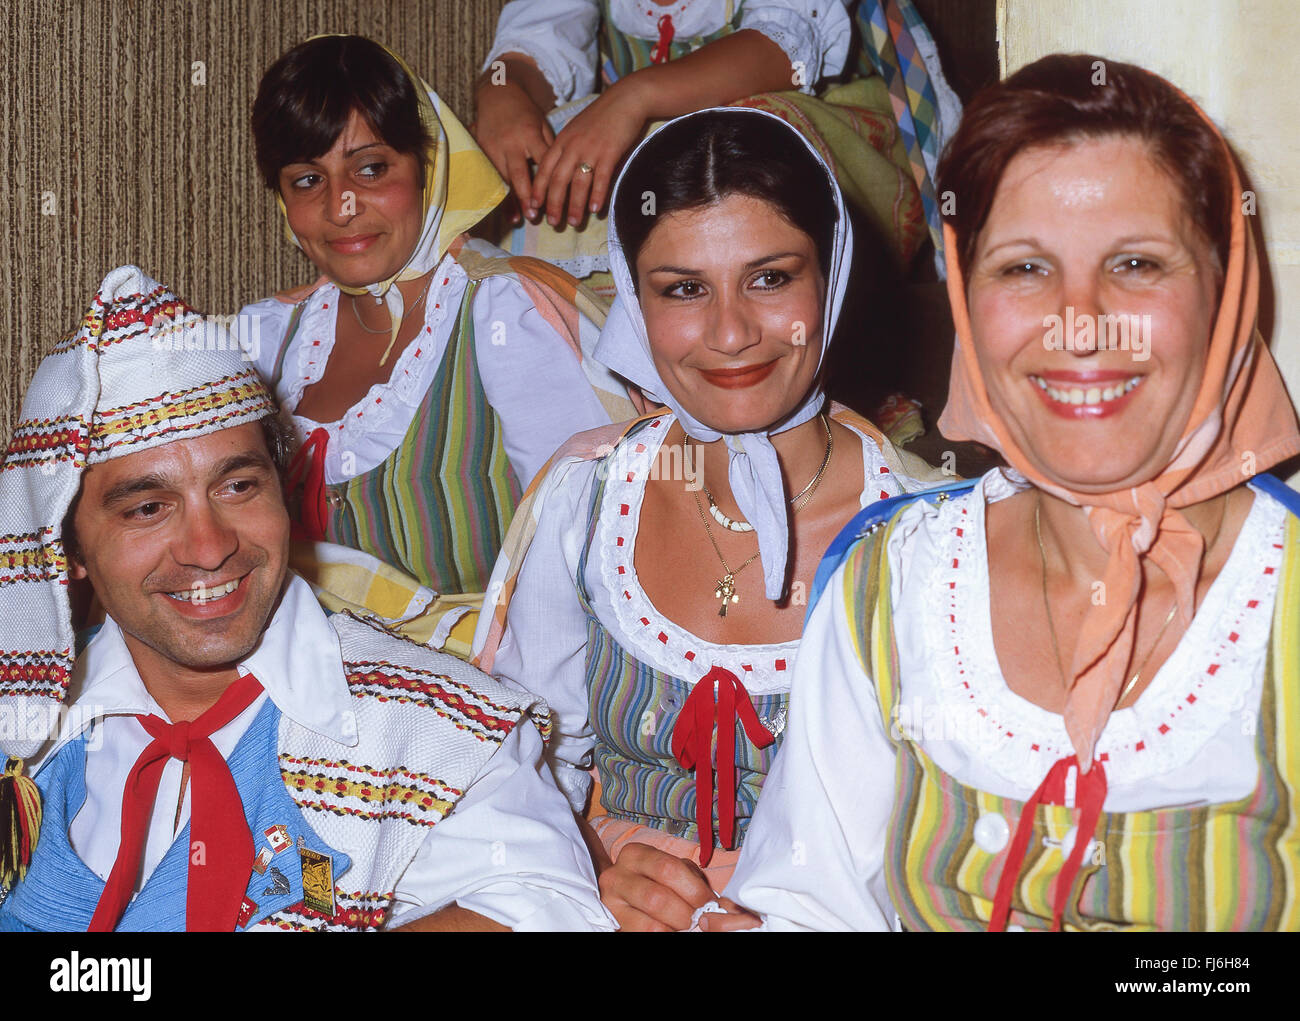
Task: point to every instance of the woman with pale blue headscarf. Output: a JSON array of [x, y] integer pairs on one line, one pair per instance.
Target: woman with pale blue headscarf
[[661, 594]]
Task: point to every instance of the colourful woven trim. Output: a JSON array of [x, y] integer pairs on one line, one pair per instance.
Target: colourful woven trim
[[369, 786], [200, 408], [32, 556], [92, 325], [456, 702], [128, 322], [361, 912], [42, 673], [35, 442]]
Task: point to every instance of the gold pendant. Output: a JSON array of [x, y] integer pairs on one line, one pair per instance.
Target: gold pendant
[[726, 591]]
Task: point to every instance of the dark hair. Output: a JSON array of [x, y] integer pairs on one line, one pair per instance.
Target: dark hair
[[306, 97], [700, 160], [1064, 98]]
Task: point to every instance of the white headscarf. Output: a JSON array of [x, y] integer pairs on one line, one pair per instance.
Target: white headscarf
[[753, 467]]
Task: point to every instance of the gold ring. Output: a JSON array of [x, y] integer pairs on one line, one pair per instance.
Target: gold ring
[[584, 168]]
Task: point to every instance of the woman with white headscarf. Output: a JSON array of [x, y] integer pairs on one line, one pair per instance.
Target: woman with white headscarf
[[662, 595], [429, 376]]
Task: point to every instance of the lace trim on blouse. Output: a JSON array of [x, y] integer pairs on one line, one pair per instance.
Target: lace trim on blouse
[[627, 610], [408, 384], [1214, 671]]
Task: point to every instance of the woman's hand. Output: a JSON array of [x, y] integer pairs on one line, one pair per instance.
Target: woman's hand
[[648, 890], [511, 126], [599, 137], [735, 919]]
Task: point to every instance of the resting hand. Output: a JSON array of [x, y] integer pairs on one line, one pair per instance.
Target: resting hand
[[512, 129], [648, 890], [600, 136], [735, 919]]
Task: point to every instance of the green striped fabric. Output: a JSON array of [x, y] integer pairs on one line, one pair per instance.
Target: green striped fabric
[[1229, 866], [439, 505]]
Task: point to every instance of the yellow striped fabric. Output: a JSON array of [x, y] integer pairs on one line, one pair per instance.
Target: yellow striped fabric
[[1226, 866]]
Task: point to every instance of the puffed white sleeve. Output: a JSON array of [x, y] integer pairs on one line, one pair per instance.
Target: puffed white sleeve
[[543, 648], [814, 851], [259, 328], [533, 379], [510, 850], [815, 35], [559, 36]]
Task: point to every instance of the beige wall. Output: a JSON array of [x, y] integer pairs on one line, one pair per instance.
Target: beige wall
[[1236, 58], [102, 123]]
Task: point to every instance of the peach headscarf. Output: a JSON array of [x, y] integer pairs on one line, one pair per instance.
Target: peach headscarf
[[1242, 423]]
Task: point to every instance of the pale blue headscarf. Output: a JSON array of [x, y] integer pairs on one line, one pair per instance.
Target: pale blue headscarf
[[753, 467]]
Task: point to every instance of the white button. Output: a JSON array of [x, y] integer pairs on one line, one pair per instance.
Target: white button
[[992, 832], [1067, 842], [1067, 846]]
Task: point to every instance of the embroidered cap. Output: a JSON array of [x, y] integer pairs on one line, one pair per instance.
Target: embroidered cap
[[141, 370]]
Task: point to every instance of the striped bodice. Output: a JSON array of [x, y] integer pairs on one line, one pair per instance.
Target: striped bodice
[[1224, 866], [438, 506], [621, 54], [633, 709]]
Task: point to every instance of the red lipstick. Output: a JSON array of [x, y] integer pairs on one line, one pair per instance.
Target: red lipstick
[[739, 378]]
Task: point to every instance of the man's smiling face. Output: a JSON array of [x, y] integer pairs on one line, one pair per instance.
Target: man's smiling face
[[186, 546]]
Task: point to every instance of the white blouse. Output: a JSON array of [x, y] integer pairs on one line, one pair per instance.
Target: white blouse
[[1189, 739], [531, 376], [545, 883], [543, 648], [561, 35]]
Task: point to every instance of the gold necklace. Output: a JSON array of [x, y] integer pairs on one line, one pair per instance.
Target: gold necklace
[[726, 588], [388, 329], [1047, 606], [1132, 681], [809, 490]]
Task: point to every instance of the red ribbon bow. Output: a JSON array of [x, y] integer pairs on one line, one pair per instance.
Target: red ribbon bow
[[693, 744], [1090, 796], [306, 472], [218, 877], [660, 53]]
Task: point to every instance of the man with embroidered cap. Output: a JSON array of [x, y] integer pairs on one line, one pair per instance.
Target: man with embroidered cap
[[231, 758]]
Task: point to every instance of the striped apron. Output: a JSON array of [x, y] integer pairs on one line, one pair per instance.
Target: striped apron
[[438, 506], [633, 709], [1228, 866]]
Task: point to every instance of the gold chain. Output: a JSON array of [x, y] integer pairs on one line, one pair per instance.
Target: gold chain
[[815, 481], [809, 490], [388, 329], [726, 588], [1047, 606]]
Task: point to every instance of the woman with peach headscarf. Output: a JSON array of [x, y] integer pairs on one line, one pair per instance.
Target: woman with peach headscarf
[[1066, 697]]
